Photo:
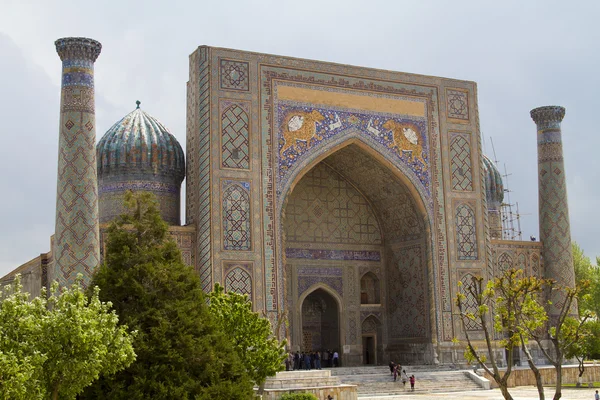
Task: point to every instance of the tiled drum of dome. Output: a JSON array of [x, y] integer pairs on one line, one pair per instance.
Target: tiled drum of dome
[[236, 215], [235, 128], [460, 162], [239, 281], [466, 236], [77, 238]]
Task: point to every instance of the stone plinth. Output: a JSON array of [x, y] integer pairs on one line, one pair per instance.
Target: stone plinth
[[318, 382]]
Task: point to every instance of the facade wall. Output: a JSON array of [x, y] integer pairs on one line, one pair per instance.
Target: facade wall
[[263, 121]]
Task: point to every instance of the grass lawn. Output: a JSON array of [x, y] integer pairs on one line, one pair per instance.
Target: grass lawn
[[583, 385]]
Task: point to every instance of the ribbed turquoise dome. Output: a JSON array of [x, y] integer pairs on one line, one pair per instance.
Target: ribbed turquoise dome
[[138, 153], [139, 141], [494, 189]]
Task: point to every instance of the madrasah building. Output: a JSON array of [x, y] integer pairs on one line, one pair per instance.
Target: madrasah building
[[349, 200]]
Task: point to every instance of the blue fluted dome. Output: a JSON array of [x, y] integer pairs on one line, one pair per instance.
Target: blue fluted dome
[[494, 189], [140, 142], [138, 153]]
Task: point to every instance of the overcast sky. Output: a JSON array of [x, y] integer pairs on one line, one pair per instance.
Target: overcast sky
[[522, 54]]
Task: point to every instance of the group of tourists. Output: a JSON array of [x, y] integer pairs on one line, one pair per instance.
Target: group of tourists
[[312, 360], [396, 370]]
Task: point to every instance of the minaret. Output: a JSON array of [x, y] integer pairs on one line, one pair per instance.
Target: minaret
[[76, 236], [555, 229]]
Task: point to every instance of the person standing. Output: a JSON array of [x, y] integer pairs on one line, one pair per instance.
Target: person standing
[[336, 358], [392, 366], [307, 361], [597, 396], [412, 383], [395, 373], [297, 361], [326, 358], [404, 378]]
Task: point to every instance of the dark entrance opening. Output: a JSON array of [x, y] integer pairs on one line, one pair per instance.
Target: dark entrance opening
[[368, 344], [320, 322]]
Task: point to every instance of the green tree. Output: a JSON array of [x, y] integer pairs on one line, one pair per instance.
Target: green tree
[[182, 352], [563, 332], [514, 300], [53, 347], [260, 352]]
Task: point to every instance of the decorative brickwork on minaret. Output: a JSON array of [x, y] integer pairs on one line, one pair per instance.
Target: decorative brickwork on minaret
[[555, 229], [76, 241]]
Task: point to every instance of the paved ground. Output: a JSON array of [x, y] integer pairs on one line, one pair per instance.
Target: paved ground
[[518, 393]]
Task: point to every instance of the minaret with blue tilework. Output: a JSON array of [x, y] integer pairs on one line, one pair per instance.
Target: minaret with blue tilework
[[76, 237], [555, 228]]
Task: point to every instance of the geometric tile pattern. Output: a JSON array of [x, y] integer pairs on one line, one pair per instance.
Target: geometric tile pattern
[[407, 300], [234, 75], [77, 237], [200, 160], [457, 104], [325, 208], [466, 237], [522, 262], [535, 266], [470, 303], [236, 216], [504, 263], [235, 141], [555, 229], [239, 281], [460, 162]]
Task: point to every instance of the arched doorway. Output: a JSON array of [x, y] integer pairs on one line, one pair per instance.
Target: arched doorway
[[352, 223], [320, 322]]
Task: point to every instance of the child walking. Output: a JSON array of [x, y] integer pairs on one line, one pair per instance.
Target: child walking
[[412, 383]]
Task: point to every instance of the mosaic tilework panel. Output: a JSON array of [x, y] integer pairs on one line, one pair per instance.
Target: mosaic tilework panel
[[234, 75], [304, 129], [238, 280], [235, 130], [199, 209], [457, 104], [407, 299], [535, 266], [236, 216], [466, 236], [370, 325], [470, 304], [305, 282], [522, 262], [504, 263], [319, 254], [460, 163]]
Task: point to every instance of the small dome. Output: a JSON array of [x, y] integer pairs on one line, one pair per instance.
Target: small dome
[[139, 154], [140, 142], [494, 189]]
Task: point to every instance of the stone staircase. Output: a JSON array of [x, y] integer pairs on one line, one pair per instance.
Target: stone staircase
[[376, 382]]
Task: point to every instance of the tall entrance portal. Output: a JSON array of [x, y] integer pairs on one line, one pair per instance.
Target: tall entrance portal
[[356, 256], [320, 322]]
